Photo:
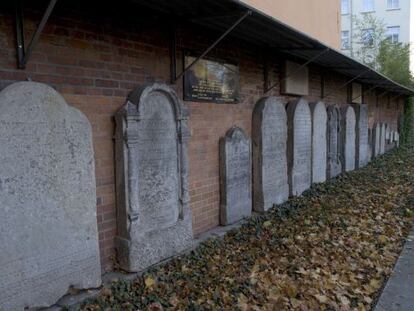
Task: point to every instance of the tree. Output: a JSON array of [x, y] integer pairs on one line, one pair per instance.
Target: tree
[[374, 48]]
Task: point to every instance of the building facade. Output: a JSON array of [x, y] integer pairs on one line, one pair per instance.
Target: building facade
[[395, 14], [317, 18]]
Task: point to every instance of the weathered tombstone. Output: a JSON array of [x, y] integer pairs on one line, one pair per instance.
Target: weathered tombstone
[[382, 138], [334, 166], [319, 141], [154, 218], [397, 139], [235, 177], [348, 138], [362, 144], [48, 228], [269, 135], [376, 137], [299, 146]]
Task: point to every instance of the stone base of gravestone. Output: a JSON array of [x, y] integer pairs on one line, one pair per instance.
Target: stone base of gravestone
[[48, 228], [235, 177], [299, 146], [319, 141], [269, 134], [154, 217]]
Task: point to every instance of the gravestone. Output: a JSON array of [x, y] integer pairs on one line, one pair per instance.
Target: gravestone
[[334, 166], [319, 141], [299, 146], [154, 218], [382, 138], [362, 144], [397, 139], [269, 135], [48, 228], [235, 177], [376, 138], [348, 138]]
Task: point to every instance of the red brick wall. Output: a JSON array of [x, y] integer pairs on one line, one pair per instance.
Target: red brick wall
[[95, 63]]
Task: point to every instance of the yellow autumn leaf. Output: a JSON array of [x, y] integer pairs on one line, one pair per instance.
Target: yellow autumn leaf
[[149, 281]]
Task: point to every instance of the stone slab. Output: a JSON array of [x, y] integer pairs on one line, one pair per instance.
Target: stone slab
[[383, 129], [269, 135], [319, 141], [334, 165], [48, 228], [299, 146], [154, 217], [235, 176], [362, 155], [376, 138], [348, 138]]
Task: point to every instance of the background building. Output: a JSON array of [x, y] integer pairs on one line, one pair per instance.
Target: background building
[[317, 18], [396, 15]]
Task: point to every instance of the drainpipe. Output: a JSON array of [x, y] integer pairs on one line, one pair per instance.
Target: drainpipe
[[351, 29]]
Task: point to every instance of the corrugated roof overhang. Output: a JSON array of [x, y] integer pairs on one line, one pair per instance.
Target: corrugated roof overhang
[[267, 32]]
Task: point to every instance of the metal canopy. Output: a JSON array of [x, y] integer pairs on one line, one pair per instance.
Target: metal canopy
[[267, 32]]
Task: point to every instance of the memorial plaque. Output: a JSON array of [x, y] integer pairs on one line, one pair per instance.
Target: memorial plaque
[[362, 144], [319, 142], [376, 137], [235, 177], [269, 134], [211, 81], [154, 218], [299, 146], [382, 138], [348, 153], [334, 166], [48, 228]]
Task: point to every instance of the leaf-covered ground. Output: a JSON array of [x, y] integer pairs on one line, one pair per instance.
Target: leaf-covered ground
[[331, 249]]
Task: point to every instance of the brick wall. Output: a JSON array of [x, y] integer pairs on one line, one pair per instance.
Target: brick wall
[[94, 62]]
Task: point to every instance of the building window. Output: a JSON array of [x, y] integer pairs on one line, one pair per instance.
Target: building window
[[393, 34], [344, 6], [345, 40], [368, 6], [393, 4], [368, 37]]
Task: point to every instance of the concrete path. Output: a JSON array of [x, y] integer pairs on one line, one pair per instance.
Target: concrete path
[[398, 293]]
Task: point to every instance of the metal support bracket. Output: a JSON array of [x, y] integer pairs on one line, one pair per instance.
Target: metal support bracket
[[175, 77], [23, 54]]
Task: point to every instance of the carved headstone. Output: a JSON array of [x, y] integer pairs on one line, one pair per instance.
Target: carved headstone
[[334, 166], [299, 146], [48, 228], [382, 138], [376, 138], [362, 144], [348, 125], [154, 218], [235, 177], [319, 140], [269, 134]]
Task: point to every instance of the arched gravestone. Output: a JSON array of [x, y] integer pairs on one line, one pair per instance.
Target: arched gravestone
[[334, 166], [299, 146], [48, 229], [319, 140], [235, 177], [269, 134], [382, 138], [362, 144], [348, 138], [376, 138], [154, 218]]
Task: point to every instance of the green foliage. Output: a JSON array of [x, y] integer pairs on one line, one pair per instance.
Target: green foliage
[[407, 128]]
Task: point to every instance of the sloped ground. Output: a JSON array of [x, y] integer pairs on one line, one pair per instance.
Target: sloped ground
[[331, 249]]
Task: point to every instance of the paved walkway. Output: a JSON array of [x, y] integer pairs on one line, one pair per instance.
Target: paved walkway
[[398, 293]]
